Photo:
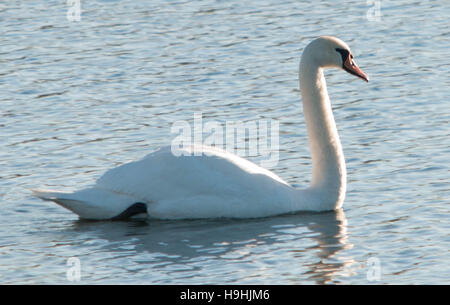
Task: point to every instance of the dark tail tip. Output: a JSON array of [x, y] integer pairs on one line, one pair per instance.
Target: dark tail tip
[[134, 209]]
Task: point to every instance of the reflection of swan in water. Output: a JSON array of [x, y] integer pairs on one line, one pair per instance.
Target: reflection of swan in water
[[333, 239], [300, 244]]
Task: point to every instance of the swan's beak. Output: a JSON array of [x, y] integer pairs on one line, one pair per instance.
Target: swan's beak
[[351, 67]]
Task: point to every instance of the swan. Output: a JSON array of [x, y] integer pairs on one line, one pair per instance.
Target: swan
[[214, 183]]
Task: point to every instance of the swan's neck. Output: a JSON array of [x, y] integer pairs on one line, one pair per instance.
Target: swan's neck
[[329, 171]]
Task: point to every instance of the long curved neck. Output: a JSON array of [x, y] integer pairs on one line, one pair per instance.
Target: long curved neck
[[329, 171]]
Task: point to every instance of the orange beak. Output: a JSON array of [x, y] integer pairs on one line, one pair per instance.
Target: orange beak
[[351, 67]]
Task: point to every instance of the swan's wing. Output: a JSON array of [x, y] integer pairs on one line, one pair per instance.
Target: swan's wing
[[187, 172]]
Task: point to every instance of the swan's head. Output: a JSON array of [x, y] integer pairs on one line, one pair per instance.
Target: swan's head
[[331, 52]]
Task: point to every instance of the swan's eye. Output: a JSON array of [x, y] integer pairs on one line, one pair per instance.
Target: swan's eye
[[344, 53]]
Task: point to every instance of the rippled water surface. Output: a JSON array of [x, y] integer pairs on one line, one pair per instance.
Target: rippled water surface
[[78, 98]]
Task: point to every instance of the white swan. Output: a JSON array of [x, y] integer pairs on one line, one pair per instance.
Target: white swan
[[220, 184]]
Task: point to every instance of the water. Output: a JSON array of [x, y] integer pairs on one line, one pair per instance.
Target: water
[[78, 98]]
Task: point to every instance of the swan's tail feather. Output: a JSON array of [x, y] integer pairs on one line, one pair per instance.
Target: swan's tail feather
[[62, 198], [93, 203], [50, 195], [69, 201]]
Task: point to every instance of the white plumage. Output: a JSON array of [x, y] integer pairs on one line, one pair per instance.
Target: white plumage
[[215, 183]]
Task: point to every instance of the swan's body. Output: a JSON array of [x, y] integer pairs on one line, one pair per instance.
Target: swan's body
[[219, 184]]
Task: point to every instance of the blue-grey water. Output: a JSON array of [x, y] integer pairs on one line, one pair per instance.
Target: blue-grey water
[[80, 97]]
